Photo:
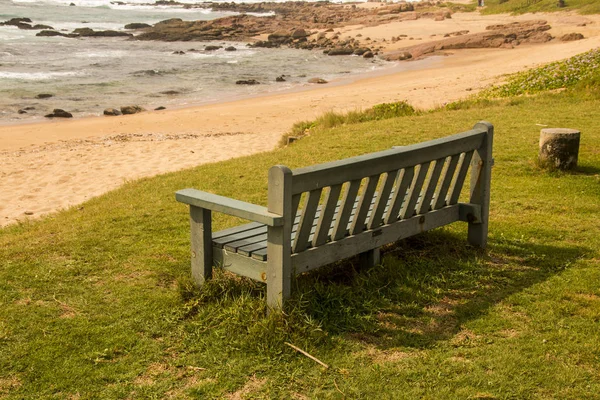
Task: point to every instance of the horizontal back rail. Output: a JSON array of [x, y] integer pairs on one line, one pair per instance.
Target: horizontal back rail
[[356, 168]]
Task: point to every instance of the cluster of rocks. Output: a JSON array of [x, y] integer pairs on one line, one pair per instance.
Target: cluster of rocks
[[60, 113], [126, 110], [301, 25], [331, 44], [280, 78], [46, 30], [495, 36], [85, 32], [24, 23]]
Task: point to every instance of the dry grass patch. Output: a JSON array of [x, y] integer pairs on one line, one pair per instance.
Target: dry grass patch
[[253, 385], [378, 356], [9, 384]]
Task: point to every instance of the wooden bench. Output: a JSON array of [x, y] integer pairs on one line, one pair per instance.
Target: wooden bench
[[328, 212]]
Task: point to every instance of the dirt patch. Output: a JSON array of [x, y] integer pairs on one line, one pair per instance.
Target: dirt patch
[[253, 385]]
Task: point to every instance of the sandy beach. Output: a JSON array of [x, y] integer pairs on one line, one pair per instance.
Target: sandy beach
[[52, 165]]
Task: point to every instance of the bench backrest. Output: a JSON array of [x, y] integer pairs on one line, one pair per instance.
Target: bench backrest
[[349, 196]]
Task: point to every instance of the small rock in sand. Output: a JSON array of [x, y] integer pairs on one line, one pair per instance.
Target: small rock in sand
[[59, 113]]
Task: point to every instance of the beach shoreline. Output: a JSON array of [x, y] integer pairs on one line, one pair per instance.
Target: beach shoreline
[[51, 165]]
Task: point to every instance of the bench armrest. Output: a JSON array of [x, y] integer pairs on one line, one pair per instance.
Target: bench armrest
[[228, 206]]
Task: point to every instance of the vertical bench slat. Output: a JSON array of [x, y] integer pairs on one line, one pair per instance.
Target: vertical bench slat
[[324, 224], [454, 193], [295, 204], [439, 199], [341, 222], [425, 202], [402, 184], [306, 220], [383, 197], [366, 199], [408, 209]]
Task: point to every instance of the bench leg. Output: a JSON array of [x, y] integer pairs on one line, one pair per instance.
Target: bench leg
[[201, 237], [481, 173], [279, 267], [370, 258]]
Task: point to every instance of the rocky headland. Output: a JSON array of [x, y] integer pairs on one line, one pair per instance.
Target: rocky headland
[[315, 26]]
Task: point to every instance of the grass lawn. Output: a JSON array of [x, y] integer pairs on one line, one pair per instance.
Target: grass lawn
[[96, 301], [533, 6]]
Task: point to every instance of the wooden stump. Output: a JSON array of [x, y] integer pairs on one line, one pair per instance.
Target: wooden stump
[[559, 148]]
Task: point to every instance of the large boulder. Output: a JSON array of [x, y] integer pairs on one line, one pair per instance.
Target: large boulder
[[279, 37], [112, 112], [569, 37], [127, 110], [299, 34]]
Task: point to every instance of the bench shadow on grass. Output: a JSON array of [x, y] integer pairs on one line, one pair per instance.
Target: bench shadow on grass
[[587, 170], [426, 287]]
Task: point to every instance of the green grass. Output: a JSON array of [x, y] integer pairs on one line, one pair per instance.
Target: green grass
[[532, 6], [584, 68], [333, 119], [96, 301]]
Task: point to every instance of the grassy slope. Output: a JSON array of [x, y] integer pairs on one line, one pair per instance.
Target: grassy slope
[[527, 6], [95, 302]]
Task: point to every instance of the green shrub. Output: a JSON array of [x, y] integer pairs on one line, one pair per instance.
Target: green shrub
[[584, 67]]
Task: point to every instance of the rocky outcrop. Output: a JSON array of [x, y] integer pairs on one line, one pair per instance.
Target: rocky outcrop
[[495, 36], [85, 32], [44, 96], [319, 81], [88, 32], [25, 23], [295, 24]]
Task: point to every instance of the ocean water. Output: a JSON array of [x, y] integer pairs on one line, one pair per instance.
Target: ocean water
[[87, 75]]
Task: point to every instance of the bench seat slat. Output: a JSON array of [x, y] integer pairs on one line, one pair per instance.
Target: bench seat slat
[[236, 229], [222, 241]]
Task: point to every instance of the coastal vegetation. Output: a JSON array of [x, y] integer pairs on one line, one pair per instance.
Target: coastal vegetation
[[532, 6], [97, 302]]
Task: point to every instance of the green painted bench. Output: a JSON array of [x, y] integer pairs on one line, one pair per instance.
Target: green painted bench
[[328, 212]]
